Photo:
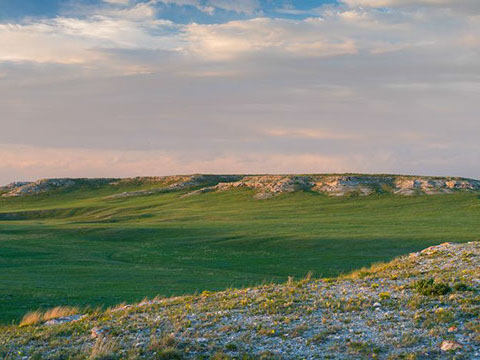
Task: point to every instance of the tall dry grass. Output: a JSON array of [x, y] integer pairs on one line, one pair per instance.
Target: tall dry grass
[[31, 318], [104, 348], [35, 317], [60, 311]]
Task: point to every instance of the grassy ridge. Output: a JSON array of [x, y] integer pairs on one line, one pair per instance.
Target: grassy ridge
[[78, 247]]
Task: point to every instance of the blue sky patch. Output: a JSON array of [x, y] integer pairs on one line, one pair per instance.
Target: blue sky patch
[[201, 11]]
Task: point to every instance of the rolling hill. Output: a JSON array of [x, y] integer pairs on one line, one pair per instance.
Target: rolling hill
[[105, 241]]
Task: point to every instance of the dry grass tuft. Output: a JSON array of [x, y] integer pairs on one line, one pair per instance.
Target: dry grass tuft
[[165, 347], [31, 318], [367, 271], [38, 316], [60, 311], [165, 341], [104, 348]]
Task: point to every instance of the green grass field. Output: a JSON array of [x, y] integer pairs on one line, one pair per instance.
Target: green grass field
[[80, 248]]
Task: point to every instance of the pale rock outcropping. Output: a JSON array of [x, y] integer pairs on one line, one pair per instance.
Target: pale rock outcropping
[[265, 186], [342, 185], [46, 185]]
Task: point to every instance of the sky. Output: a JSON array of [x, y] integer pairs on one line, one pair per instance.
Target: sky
[[117, 88]]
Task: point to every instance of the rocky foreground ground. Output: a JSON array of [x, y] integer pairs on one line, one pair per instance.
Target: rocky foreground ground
[[422, 306]]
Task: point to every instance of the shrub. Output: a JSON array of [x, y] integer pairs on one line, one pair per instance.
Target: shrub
[[365, 348], [165, 341], [220, 356], [429, 287], [460, 287], [384, 295], [445, 316], [169, 353], [231, 347], [165, 348]]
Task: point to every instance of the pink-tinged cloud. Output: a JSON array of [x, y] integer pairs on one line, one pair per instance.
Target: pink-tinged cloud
[[30, 163], [318, 134]]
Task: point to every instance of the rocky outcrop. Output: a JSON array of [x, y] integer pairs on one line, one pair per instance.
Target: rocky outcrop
[[178, 183], [46, 185], [14, 185], [342, 185], [264, 185]]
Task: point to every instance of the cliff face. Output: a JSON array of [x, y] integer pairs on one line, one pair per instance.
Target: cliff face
[[264, 185]]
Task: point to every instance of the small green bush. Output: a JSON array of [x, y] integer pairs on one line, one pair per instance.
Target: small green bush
[[231, 347], [169, 353], [461, 287], [384, 296], [429, 287]]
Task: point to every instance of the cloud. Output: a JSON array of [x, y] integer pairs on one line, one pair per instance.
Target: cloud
[[30, 163], [89, 39], [248, 7], [27, 163], [193, 3], [121, 2], [463, 5], [70, 40], [140, 11], [115, 91], [67, 40], [237, 38], [311, 134]]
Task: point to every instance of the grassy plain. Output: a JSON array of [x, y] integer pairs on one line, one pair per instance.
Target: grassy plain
[[80, 247]]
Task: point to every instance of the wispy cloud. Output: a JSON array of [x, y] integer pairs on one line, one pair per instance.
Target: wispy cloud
[[125, 25], [21, 162], [30, 163], [248, 7], [68, 40], [317, 134], [199, 5], [122, 2], [470, 5], [237, 38]]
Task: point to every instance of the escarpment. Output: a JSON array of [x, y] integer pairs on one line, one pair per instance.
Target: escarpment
[[264, 185]]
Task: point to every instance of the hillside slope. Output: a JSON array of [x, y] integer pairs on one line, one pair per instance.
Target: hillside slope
[[390, 311], [94, 243]]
